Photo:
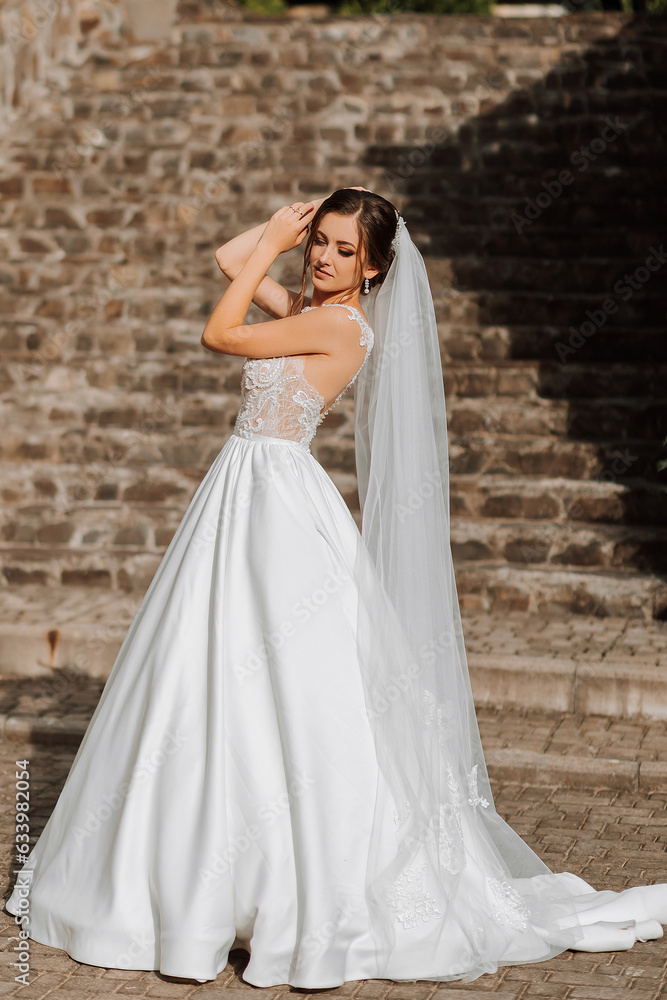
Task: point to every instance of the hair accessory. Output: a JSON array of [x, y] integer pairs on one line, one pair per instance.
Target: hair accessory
[[399, 226]]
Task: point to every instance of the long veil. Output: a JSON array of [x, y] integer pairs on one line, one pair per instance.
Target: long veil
[[450, 854]]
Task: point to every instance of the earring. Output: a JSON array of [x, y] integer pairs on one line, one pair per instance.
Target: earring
[[367, 286]]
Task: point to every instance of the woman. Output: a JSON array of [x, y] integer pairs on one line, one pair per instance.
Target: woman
[[285, 756]]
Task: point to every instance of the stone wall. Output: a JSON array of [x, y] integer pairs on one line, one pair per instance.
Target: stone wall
[[527, 156]]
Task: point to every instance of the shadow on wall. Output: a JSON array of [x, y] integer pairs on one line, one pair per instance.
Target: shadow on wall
[[551, 212]]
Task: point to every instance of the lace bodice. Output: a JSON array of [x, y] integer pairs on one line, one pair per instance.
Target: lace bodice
[[276, 398]]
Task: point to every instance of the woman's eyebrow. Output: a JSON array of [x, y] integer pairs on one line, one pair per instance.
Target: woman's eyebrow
[[342, 242]]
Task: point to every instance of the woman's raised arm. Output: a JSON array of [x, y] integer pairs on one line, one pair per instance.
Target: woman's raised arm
[[233, 254], [271, 297]]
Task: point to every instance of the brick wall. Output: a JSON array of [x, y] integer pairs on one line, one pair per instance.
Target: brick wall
[[527, 156]]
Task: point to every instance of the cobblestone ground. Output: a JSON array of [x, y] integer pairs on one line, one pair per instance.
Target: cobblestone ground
[[612, 839], [578, 637]]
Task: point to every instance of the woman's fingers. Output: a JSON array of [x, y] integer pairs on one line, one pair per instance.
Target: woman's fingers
[[303, 207]]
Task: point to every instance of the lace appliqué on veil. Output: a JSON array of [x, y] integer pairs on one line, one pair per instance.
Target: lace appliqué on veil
[[409, 895], [451, 853], [509, 907], [440, 713], [475, 798], [402, 813], [450, 839], [409, 900]]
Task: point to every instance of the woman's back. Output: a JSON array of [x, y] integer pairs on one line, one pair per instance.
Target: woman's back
[[287, 396]]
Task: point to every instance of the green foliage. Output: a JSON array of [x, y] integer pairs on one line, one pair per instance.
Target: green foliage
[[662, 464], [351, 7], [381, 7], [265, 6]]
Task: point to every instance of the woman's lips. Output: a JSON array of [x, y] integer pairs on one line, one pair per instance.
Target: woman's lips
[[319, 270]]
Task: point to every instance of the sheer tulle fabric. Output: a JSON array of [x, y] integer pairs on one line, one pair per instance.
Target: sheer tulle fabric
[[481, 885]]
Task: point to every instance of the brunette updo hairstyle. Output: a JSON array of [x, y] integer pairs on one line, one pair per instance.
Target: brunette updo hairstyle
[[376, 225]]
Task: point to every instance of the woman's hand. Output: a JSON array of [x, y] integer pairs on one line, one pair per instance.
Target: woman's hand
[[287, 227]]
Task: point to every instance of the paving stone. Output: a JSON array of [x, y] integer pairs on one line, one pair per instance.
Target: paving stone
[[630, 858]]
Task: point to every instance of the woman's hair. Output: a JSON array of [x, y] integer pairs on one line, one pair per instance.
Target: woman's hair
[[376, 220]]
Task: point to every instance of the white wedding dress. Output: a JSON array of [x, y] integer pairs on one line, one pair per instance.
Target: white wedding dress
[[227, 788]]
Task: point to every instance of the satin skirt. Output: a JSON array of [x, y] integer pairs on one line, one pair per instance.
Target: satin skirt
[[225, 790]]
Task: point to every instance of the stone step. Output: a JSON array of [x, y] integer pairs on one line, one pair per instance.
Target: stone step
[[519, 521], [106, 451], [547, 588], [538, 290], [491, 306], [126, 567], [477, 338], [573, 382], [504, 764], [593, 279], [593, 419], [617, 499], [554, 592], [160, 318], [621, 248], [46, 494], [144, 527], [49, 507], [67, 489], [536, 321], [30, 346], [530, 767], [566, 545], [611, 666], [44, 629], [595, 186], [34, 343], [523, 378], [544, 458]]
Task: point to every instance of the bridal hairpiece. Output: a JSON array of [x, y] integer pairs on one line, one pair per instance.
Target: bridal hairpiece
[[396, 239]]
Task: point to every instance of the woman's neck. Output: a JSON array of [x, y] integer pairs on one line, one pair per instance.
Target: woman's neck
[[317, 300]]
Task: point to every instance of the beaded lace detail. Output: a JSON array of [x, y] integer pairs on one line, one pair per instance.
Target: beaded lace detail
[[509, 907], [276, 398], [409, 899]]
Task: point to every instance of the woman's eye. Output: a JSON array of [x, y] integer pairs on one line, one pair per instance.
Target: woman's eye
[[319, 242]]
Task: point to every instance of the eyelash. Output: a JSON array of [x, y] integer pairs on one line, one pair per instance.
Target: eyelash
[[343, 253]]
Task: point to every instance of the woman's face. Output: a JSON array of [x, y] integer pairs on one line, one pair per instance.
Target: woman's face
[[333, 255]]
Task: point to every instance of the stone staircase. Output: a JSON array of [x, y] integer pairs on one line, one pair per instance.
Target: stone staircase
[[548, 524], [113, 412], [553, 332], [546, 518]]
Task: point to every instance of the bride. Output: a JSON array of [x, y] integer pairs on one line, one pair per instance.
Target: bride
[[285, 756]]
